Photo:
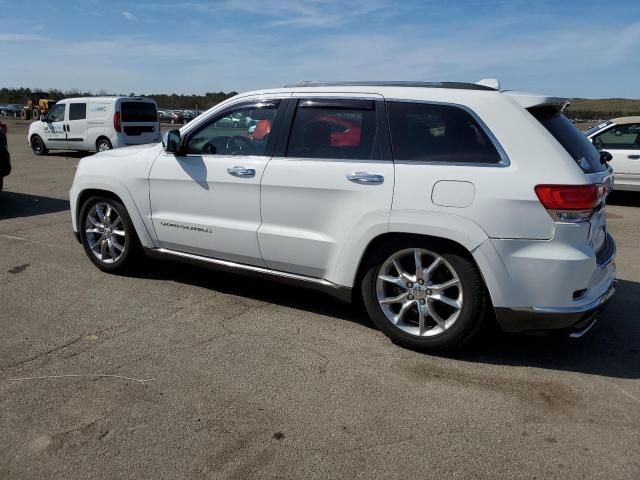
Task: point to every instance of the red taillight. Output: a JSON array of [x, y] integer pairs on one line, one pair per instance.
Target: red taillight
[[569, 197], [116, 122]]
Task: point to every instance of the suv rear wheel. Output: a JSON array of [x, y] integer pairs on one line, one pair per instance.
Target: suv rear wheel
[[107, 234], [424, 297]]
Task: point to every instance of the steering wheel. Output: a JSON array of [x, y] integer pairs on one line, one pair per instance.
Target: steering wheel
[[237, 145]]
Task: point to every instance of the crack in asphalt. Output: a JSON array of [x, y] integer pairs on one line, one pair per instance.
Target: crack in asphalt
[[53, 350]]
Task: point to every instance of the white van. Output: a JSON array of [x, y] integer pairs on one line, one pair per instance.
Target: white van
[[96, 124]]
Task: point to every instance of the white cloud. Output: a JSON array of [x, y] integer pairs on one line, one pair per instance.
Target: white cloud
[[319, 13], [129, 16], [20, 37]]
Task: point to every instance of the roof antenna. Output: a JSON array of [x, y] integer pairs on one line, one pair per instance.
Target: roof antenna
[[489, 82]]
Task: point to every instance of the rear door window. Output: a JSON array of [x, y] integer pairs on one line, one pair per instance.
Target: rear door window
[[77, 111], [338, 129], [572, 139], [425, 132], [139, 112]]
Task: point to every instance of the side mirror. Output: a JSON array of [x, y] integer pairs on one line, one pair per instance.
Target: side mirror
[[605, 157], [42, 118], [172, 142]]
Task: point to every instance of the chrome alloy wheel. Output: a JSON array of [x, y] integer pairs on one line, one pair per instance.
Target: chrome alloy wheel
[[105, 233], [103, 146], [419, 292]]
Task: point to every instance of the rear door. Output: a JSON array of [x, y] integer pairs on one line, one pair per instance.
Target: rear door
[[76, 126], [323, 189], [55, 129], [139, 119]]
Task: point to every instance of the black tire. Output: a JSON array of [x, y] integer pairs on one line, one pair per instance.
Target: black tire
[[103, 144], [37, 145], [131, 253], [472, 313]]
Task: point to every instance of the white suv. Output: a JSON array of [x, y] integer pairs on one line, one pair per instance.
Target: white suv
[[439, 205]]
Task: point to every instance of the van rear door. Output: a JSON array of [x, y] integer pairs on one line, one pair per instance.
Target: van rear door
[[139, 121]]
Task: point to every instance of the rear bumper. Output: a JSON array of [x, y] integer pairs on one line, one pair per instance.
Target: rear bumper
[[536, 319]]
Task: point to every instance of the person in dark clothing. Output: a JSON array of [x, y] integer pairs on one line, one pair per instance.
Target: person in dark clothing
[[5, 158]]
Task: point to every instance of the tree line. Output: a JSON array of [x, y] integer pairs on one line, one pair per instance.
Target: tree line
[[208, 100], [580, 108]]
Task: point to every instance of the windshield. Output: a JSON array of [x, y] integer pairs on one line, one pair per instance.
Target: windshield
[[572, 139], [139, 112]]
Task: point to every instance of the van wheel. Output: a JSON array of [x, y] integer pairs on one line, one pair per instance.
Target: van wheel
[[423, 297], [103, 144], [107, 234], [37, 145]]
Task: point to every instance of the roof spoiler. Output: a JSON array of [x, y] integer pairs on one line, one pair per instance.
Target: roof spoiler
[[533, 100], [489, 82]]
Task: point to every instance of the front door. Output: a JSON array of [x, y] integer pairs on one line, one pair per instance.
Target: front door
[[206, 201], [331, 183], [55, 129], [623, 142]]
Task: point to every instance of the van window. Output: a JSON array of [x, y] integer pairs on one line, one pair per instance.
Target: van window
[[77, 111], [333, 129], [139, 112], [572, 139], [438, 133], [56, 114]]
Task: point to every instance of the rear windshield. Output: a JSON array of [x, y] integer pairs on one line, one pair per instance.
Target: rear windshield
[[572, 139], [139, 112]]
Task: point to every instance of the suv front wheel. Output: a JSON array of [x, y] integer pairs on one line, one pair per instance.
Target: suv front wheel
[[107, 234], [422, 297]]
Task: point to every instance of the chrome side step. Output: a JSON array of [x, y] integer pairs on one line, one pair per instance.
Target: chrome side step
[[339, 291]]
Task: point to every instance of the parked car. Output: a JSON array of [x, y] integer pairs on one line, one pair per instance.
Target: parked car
[[5, 158], [458, 202], [621, 138], [188, 115], [96, 124]]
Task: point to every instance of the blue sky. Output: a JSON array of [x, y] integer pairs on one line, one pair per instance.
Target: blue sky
[[561, 47]]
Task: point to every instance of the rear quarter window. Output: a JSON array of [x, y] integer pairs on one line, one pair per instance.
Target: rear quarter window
[[424, 132], [139, 112], [572, 139]]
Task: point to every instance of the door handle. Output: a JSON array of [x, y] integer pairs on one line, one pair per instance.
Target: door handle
[[634, 157], [241, 172], [365, 178]]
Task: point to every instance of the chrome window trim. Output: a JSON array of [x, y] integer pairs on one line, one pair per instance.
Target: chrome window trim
[[504, 158]]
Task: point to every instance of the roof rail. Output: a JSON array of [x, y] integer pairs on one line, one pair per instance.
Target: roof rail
[[456, 85]]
